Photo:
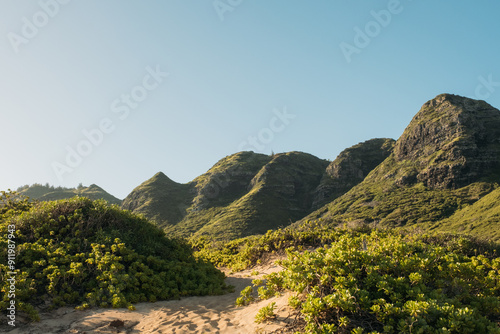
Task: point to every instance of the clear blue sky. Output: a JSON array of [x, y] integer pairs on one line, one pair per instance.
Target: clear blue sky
[[337, 73]]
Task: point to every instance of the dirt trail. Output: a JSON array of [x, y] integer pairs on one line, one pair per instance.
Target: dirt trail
[[210, 314]]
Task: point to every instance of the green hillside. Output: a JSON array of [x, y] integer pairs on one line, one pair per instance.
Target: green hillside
[[242, 194], [167, 203], [51, 193], [481, 219], [160, 199], [277, 195]]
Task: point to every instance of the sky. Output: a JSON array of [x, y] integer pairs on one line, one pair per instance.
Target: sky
[[112, 92]]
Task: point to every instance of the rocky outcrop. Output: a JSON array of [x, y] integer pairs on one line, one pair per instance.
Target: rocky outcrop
[[452, 141], [350, 168]]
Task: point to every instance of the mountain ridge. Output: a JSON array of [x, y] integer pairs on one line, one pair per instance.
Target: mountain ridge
[[446, 159], [235, 191], [49, 193]]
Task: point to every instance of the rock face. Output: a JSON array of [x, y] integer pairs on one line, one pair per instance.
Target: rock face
[[350, 168], [453, 141]]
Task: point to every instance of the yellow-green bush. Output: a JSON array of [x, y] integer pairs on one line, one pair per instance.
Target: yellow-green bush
[[385, 282], [242, 253], [90, 253]]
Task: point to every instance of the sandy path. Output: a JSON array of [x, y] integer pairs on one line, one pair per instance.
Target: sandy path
[[210, 314]]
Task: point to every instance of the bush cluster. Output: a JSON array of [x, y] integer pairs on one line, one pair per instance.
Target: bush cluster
[[245, 252], [89, 253], [387, 282]]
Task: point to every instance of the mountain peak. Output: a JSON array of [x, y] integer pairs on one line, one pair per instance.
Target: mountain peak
[[161, 177], [446, 97], [451, 104], [452, 141], [447, 157]]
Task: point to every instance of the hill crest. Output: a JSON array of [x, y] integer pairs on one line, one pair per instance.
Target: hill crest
[[50, 193]]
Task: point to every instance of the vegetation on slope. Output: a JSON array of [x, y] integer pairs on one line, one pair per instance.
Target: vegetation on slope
[[227, 180], [90, 253], [243, 194], [221, 192], [248, 193], [279, 194], [387, 205], [182, 209], [481, 219], [386, 282], [50, 193], [160, 199]]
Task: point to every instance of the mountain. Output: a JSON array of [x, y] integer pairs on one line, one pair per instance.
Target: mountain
[[167, 202], [279, 193], [242, 194], [451, 142], [446, 159], [350, 168], [50, 193], [437, 176]]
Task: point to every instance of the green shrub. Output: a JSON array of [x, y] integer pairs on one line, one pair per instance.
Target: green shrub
[[242, 253], [246, 297], [90, 253], [386, 282], [266, 313]]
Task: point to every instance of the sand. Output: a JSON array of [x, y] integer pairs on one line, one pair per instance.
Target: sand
[[210, 314]]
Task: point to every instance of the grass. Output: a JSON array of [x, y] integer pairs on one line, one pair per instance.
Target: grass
[[481, 219]]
